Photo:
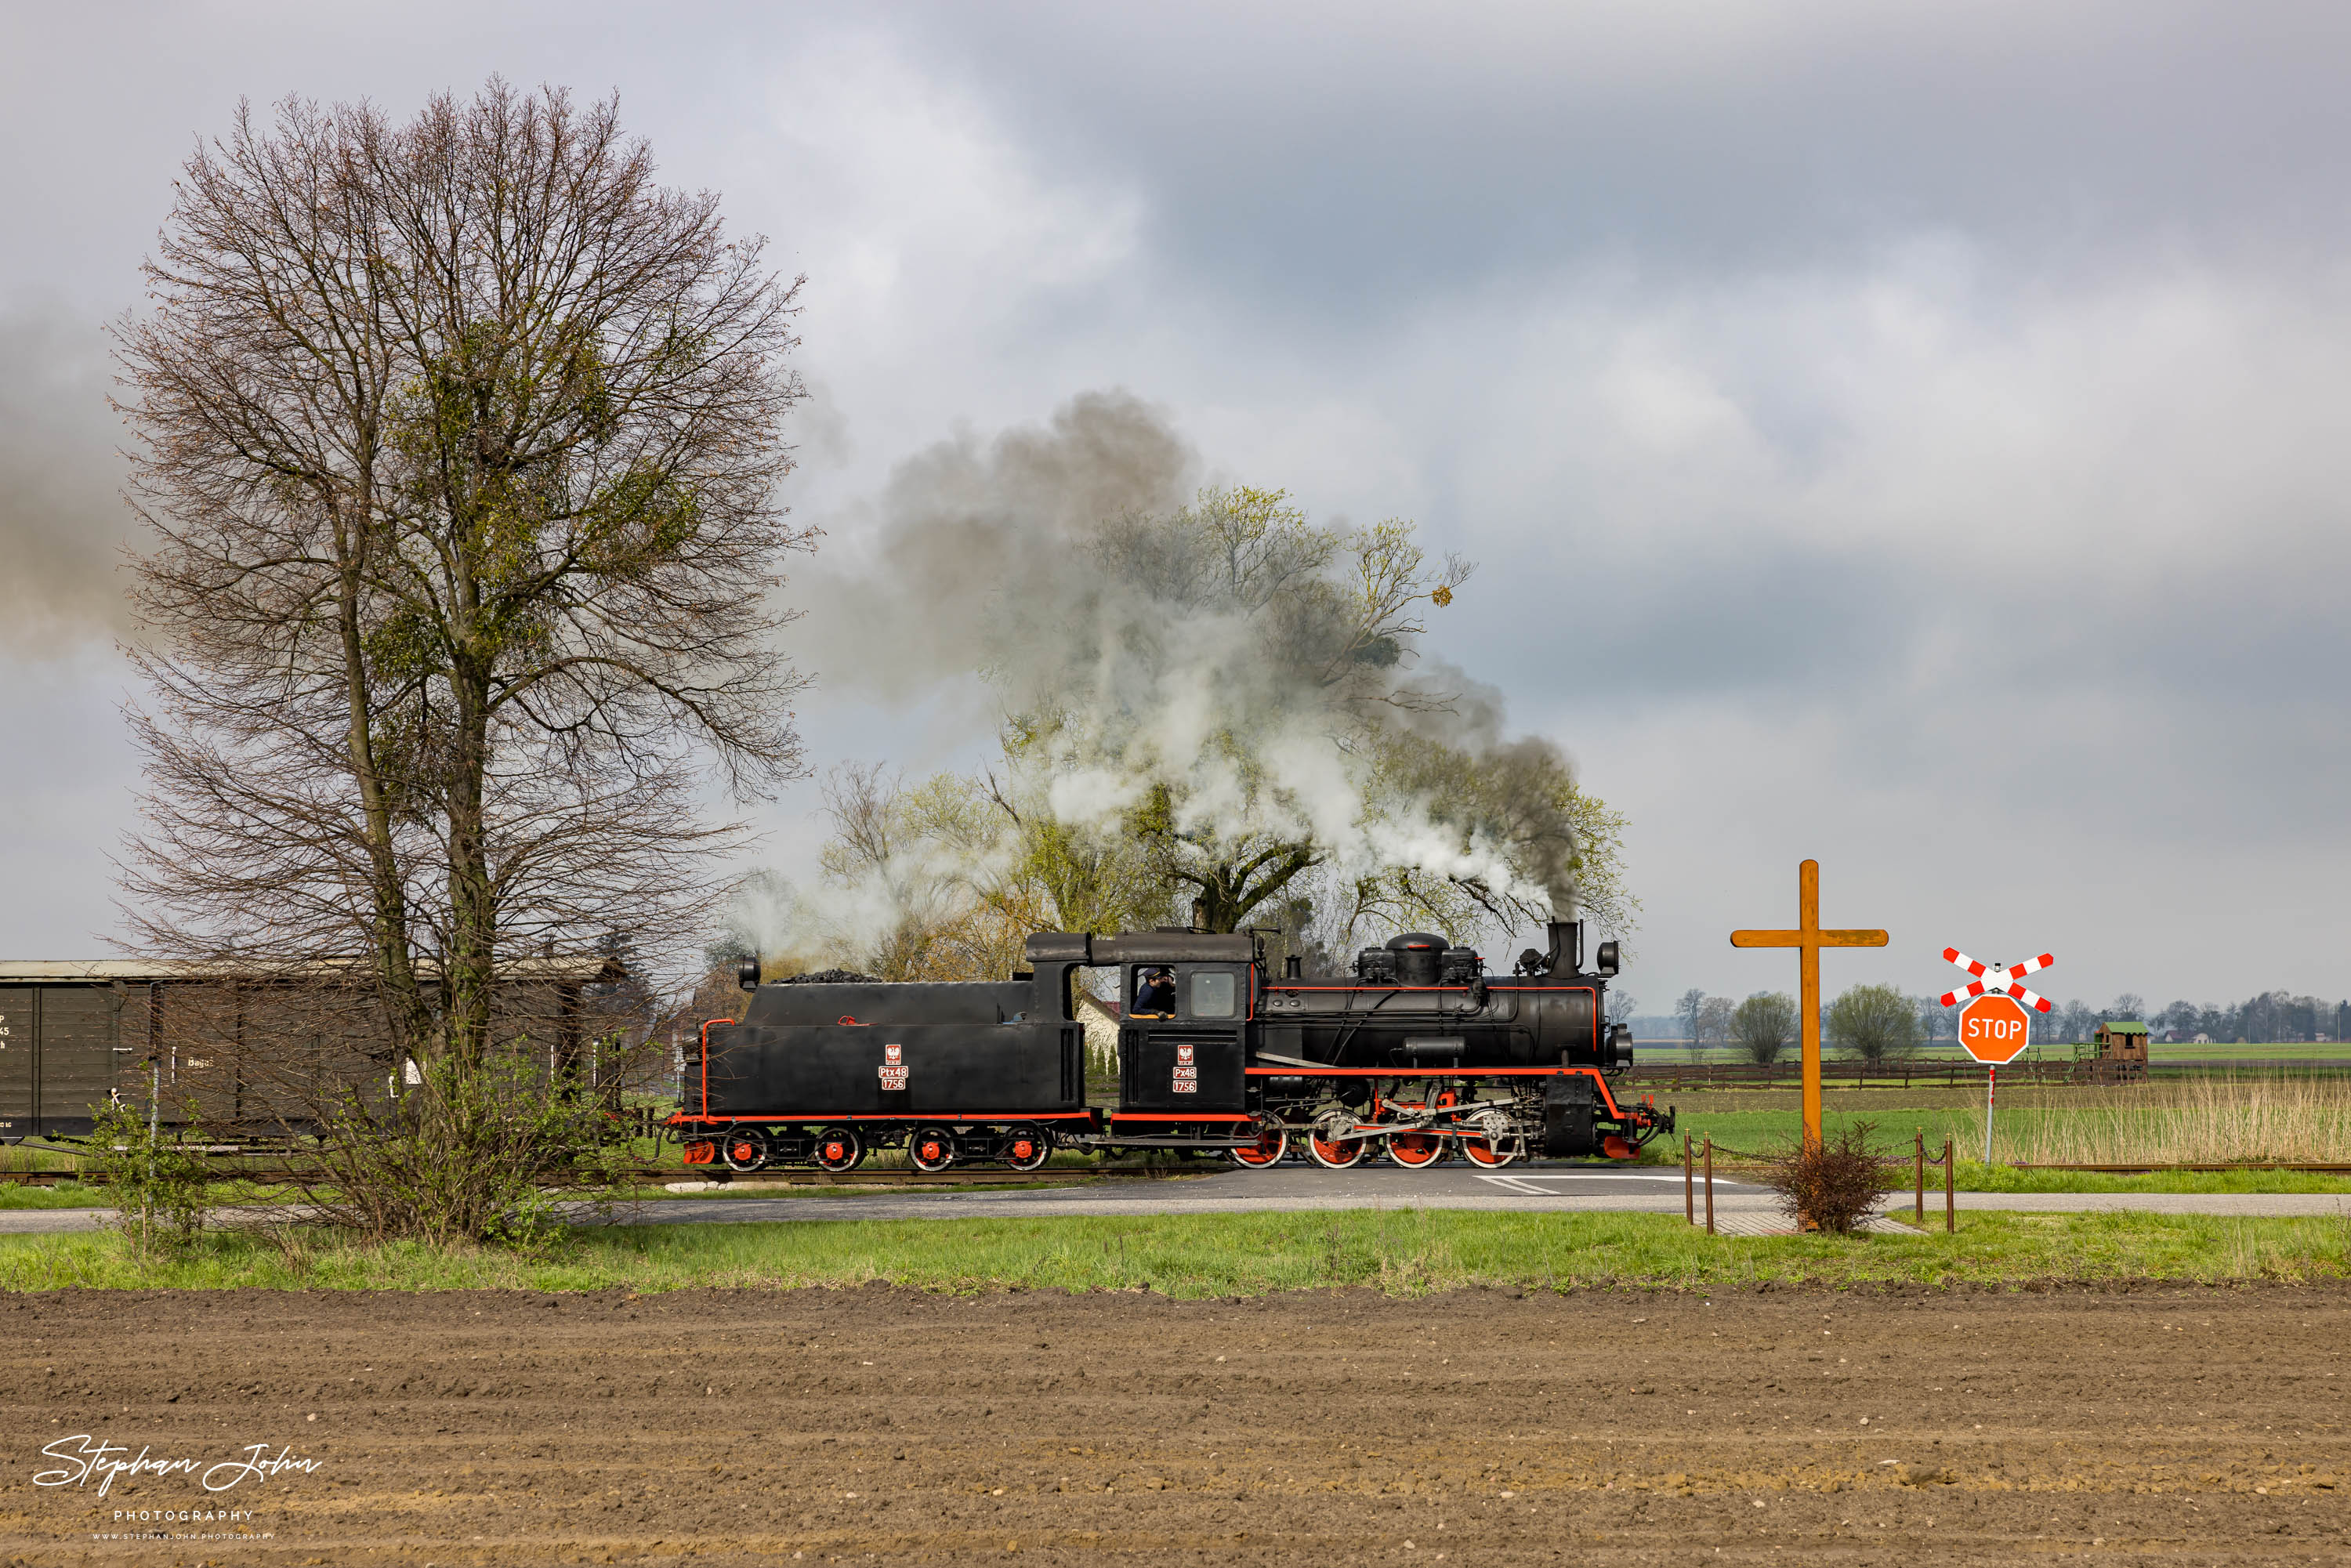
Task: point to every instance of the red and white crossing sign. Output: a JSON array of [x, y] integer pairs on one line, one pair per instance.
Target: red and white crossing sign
[[1994, 1029], [1995, 981]]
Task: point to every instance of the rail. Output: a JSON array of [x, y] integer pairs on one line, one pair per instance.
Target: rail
[[660, 1175]]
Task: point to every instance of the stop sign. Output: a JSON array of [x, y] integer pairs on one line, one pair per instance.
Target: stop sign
[[1994, 1029]]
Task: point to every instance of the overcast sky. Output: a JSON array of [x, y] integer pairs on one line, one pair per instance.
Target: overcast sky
[[1914, 437]]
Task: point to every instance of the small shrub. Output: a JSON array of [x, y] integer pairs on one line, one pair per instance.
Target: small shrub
[[158, 1182], [484, 1151], [1836, 1184]]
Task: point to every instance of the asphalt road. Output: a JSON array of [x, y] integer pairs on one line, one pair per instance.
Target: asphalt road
[[1538, 1186], [1285, 1188]]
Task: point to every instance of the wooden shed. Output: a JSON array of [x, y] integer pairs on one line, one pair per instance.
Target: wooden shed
[[2120, 1041]]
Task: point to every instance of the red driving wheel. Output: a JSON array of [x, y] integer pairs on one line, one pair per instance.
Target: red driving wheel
[[1336, 1153], [1414, 1150], [1272, 1143]]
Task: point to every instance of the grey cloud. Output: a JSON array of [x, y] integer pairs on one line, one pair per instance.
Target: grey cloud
[[1334, 169]]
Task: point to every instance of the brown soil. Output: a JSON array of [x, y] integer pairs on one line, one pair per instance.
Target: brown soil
[[1478, 1428]]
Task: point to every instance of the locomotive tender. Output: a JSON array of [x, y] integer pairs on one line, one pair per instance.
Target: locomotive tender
[[1416, 1055]]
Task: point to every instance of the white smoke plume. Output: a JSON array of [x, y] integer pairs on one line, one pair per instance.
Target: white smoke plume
[[1166, 639]]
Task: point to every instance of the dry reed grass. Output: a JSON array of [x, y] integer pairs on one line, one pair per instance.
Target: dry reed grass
[[2190, 1120]]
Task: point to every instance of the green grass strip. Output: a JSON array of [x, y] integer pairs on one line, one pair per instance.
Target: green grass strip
[[1399, 1252]]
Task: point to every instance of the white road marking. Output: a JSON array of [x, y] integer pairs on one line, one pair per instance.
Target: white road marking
[[1518, 1183]]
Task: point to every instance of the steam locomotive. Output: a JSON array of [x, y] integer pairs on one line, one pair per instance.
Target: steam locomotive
[[1416, 1055]]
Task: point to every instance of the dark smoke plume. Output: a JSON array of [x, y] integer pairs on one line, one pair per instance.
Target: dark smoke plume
[[62, 519]]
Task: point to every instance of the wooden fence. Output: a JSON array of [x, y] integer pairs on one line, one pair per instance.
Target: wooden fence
[[1932, 1074]]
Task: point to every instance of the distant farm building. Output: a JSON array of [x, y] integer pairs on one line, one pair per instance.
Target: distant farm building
[[2120, 1048]]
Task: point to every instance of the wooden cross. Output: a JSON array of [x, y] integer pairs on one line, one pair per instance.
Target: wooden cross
[[1809, 938]]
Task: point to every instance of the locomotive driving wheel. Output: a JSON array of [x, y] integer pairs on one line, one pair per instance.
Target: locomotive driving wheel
[[1414, 1150], [839, 1150], [931, 1150], [1272, 1143], [744, 1149], [1329, 1146], [1495, 1146]]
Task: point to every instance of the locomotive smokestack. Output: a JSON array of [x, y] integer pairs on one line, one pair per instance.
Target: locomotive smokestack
[[1566, 946]]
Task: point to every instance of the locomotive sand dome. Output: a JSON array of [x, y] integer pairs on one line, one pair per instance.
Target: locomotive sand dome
[[1416, 1054]]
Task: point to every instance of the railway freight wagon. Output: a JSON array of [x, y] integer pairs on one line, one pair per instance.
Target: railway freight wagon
[[244, 1051], [72, 1035], [1416, 1055]]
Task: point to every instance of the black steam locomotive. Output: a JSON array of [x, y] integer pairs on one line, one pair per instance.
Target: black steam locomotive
[[1417, 1054]]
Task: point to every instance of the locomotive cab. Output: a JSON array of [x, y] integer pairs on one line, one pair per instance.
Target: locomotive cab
[[1188, 998]]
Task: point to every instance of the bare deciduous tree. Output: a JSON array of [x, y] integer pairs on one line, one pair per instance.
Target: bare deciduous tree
[[1688, 1009], [460, 441], [1714, 1022], [1877, 1024], [1763, 1025]]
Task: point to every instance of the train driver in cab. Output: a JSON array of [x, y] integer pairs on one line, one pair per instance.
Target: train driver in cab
[[1155, 993]]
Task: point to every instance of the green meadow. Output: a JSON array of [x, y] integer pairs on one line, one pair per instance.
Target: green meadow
[[1404, 1252]]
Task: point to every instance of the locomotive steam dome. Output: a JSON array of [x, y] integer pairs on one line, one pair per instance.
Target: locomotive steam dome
[[1419, 958]]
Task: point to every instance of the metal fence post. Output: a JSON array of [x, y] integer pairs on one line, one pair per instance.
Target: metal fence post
[[1689, 1197], [1919, 1138], [1709, 1183], [1951, 1190]]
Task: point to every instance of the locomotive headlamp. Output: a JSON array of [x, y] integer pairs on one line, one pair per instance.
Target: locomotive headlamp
[[1605, 958], [746, 973]]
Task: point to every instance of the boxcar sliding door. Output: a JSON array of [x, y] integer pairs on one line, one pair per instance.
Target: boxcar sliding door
[[82, 1053], [17, 1060]]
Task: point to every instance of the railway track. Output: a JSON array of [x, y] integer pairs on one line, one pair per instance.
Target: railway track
[[665, 1174]]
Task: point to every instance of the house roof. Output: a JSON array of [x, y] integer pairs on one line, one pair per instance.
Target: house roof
[[2124, 1027]]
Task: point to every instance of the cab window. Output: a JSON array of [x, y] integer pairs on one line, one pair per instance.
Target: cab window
[[1153, 993], [1213, 994]]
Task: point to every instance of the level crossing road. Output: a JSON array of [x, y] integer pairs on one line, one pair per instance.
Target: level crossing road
[[1536, 1187], [1287, 1188], [1534, 1184]]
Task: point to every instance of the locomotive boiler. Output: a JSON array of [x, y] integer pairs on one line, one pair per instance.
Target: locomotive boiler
[[1416, 1054]]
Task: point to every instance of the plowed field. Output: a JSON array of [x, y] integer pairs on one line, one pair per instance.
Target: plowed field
[[1475, 1428]]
